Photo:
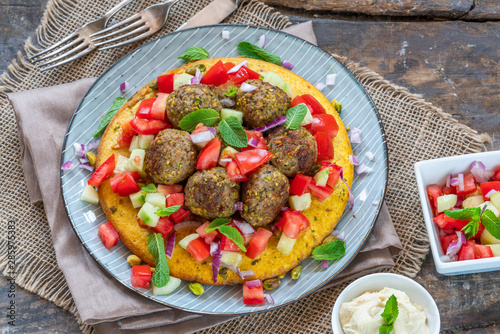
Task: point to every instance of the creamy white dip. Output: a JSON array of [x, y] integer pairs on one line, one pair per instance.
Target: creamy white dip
[[362, 315]]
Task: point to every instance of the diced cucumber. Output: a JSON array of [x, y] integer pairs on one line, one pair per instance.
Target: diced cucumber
[[300, 203], [134, 144], [156, 199], [227, 152], [486, 238], [138, 199], [147, 214], [89, 194], [495, 200], [145, 141], [173, 283], [495, 249], [276, 80], [137, 160], [489, 206], [122, 165], [446, 202], [308, 119], [472, 202], [231, 112], [321, 177], [184, 242], [231, 258], [182, 79], [285, 245]]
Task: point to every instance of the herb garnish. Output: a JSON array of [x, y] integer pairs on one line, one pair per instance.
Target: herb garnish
[[332, 250], [250, 50], [194, 53], [117, 104], [295, 116], [390, 315], [206, 116], [165, 212], [232, 90], [232, 132], [229, 231], [474, 216], [216, 223], [156, 247], [150, 188]]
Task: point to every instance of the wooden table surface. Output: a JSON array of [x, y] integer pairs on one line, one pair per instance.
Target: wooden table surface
[[446, 50]]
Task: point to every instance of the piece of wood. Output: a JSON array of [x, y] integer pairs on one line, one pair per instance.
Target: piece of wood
[[484, 10]]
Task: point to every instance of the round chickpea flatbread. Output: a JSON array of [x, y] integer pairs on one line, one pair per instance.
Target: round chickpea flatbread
[[323, 217]]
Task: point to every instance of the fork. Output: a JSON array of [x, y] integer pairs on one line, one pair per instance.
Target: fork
[[79, 41], [145, 23]]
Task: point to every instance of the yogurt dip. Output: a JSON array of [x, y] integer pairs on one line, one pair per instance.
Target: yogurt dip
[[363, 314]]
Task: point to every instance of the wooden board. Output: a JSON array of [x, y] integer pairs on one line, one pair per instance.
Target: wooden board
[[484, 10]]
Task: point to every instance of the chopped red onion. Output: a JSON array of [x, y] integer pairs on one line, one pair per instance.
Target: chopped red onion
[[461, 185], [216, 256], [353, 160], [324, 264], [355, 135], [226, 160], [253, 284], [197, 78], [214, 132], [488, 174], [491, 192], [477, 169], [286, 64], [278, 121], [169, 249], [83, 160], [92, 145], [238, 206], [262, 41], [225, 34], [227, 102], [247, 87], [370, 156], [363, 169], [79, 149], [230, 267], [236, 68], [330, 79], [186, 224], [351, 195], [454, 181], [460, 200], [253, 142], [86, 166], [448, 180], [269, 298], [215, 248], [244, 227], [339, 234], [461, 237], [245, 273], [68, 165], [446, 258], [202, 138], [320, 86], [124, 86]]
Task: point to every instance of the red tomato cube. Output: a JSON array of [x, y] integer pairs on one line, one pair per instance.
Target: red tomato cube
[[144, 109], [102, 172], [316, 107], [469, 185], [258, 243], [208, 237], [325, 146], [321, 193], [198, 249], [141, 276], [486, 187], [169, 189], [253, 296], [164, 226], [108, 235], [300, 184], [334, 174], [175, 199], [433, 192], [166, 83], [179, 215], [209, 155]]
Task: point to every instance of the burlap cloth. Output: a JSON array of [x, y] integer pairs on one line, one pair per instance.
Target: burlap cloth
[[415, 131]]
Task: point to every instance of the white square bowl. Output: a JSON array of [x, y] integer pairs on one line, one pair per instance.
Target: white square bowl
[[436, 171]]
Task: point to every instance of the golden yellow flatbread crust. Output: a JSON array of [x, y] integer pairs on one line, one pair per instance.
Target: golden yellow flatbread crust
[[323, 217]]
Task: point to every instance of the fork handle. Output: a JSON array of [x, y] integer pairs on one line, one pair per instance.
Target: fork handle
[[113, 10]]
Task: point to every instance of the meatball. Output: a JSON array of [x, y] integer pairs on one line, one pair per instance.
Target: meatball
[[262, 105], [263, 195], [189, 98], [294, 150], [211, 194], [171, 157]]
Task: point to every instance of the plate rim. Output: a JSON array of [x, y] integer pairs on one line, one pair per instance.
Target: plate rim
[[274, 306]]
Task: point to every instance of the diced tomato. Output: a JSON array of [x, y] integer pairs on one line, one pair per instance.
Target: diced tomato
[[141, 276], [228, 66], [321, 193], [293, 222], [483, 251], [496, 176], [323, 123], [216, 75], [144, 109], [440, 220], [486, 187], [124, 183], [257, 136], [166, 83], [158, 108], [148, 126], [252, 74], [234, 173], [316, 107], [198, 249], [334, 174], [227, 244], [449, 190], [208, 237], [480, 230], [299, 100], [258, 243], [126, 135], [179, 215], [200, 128], [169, 189], [433, 192], [325, 146], [209, 155], [467, 252], [175, 199], [253, 296], [469, 185], [164, 226], [102, 172], [300, 184], [446, 240], [108, 235], [252, 159], [242, 75]]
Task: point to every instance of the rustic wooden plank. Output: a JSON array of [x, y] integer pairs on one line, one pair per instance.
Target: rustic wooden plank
[[435, 8], [484, 10]]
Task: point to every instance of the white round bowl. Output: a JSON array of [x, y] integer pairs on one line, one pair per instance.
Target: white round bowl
[[376, 282]]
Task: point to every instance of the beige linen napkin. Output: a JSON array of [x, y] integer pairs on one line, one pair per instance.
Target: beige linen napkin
[[43, 117]]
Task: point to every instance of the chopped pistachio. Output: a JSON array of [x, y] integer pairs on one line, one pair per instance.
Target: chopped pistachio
[[133, 260]]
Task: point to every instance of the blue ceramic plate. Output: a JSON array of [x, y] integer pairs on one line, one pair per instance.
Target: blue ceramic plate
[[150, 60]]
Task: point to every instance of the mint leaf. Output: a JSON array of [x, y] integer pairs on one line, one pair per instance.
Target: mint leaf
[[333, 250], [117, 104], [234, 235], [464, 214], [391, 310], [232, 90], [385, 329], [471, 229], [216, 223], [165, 212], [206, 116], [250, 50], [150, 188], [156, 247], [194, 53], [232, 132], [491, 223], [295, 116]]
